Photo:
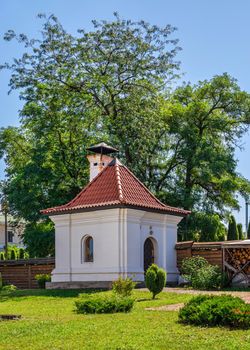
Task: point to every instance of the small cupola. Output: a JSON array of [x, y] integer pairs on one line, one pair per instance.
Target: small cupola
[[100, 158]]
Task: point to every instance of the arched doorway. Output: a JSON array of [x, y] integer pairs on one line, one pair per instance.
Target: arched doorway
[[149, 253]]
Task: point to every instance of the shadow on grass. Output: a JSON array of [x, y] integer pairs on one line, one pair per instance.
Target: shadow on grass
[[147, 299], [52, 293]]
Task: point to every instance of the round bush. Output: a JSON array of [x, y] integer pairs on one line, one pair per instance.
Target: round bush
[[123, 287], [222, 310], [103, 304], [42, 279], [201, 274]]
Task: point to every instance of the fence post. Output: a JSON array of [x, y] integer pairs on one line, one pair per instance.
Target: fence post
[[29, 277]]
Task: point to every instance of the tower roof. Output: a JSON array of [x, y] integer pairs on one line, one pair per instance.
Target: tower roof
[[115, 186], [102, 148]]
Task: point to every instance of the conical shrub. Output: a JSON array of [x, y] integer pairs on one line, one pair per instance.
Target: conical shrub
[[155, 279], [232, 229]]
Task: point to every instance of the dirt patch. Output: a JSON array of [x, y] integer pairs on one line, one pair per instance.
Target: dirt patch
[[171, 307]]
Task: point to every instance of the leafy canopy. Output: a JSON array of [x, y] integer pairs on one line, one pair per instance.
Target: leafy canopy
[[115, 83]]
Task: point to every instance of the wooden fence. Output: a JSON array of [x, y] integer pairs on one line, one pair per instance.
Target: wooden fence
[[211, 251], [22, 273]]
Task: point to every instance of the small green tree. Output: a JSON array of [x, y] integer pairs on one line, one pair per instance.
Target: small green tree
[[232, 229], [21, 253], [39, 239], [13, 255], [155, 279], [240, 231], [248, 231]]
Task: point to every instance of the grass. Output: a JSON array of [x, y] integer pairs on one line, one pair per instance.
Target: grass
[[49, 322]]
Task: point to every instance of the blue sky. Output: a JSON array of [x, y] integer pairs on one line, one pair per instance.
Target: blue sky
[[214, 36]]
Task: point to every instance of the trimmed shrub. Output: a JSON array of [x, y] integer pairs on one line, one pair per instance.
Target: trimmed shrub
[[240, 231], [155, 279], [103, 304], [123, 287], [42, 279], [212, 310], [2, 256], [13, 255], [232, 233], [9, 288], [201, 274], [21, 253]]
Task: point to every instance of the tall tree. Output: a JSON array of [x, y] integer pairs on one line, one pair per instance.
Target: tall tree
[[206, 125], [240, 231], [232, 233], [248, 231], [114, 83], [104, 84], [202, 227]]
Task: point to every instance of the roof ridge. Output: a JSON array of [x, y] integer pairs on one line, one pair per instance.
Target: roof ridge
[[118, 182]]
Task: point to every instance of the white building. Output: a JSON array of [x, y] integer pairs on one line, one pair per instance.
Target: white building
[[14, 233], [114, 227]]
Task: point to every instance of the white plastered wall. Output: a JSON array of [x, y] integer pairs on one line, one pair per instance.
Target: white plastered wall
[[119, 236], [162, 229], [102, 226]]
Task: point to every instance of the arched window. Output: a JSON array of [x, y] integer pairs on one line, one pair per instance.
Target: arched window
[[88, 249]]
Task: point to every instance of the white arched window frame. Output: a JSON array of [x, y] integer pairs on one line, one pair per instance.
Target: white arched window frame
[[87, 249]]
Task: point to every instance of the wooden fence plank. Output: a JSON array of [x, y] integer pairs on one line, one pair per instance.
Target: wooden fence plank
[[22, 273]]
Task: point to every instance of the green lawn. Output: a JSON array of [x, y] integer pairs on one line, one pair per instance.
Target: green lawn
[[49, 322]]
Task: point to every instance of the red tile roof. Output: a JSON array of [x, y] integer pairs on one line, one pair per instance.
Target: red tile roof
[[115, 186]]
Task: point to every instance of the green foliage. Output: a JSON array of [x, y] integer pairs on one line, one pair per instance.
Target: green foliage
[[21, 253], [240, 231], [123, 287], [1, 281], [209, 277], [207, 310], [155, 279], [201, 274], [206, 126], [13, 255], [114, 83], [42, 279], [189, 266], [203, 227], [103, 304], [9, 288], [39, 239], [106, 89], [232, 232], [248, 231]]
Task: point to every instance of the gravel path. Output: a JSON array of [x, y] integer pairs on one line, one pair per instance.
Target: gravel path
[[176, 307]]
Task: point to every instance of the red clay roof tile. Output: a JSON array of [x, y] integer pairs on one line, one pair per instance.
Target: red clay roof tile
[[115, 186]]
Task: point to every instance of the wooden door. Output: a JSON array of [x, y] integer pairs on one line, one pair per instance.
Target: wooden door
[[148, 253]]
